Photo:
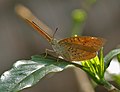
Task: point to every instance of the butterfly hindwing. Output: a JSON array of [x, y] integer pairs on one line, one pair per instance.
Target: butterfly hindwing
[[87, 43], [81, 47], [75, 54]]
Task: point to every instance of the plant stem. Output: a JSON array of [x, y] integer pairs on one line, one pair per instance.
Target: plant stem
[[110, 87]]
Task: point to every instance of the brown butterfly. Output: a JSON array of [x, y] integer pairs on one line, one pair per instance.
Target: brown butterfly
[[71, 49]]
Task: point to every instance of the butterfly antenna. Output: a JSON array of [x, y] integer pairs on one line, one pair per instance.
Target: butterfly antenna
[[55, 32]]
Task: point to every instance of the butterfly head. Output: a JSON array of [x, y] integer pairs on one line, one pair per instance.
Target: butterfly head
[[54, 41]]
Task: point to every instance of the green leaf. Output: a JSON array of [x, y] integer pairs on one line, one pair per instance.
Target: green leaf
[[26, 73], [94, 69], [110, 56], [118, 57], [101, 63], [116, 79]]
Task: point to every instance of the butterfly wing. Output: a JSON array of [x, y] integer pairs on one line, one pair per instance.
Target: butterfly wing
[[74, 54], [87, 43], [81, 48]]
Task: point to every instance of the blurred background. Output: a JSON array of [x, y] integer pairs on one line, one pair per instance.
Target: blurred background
[[19, 41]]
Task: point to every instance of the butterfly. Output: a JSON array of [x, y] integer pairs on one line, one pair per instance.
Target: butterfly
[[71, 49]]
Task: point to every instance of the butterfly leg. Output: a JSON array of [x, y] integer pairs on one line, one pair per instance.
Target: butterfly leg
[[53, 53], [49, 51], [57, 59]]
